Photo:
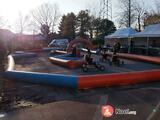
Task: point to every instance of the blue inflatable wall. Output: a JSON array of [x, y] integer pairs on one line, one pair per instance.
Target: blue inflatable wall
[[43, 78]]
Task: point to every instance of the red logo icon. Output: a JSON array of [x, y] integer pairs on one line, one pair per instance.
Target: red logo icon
[[107, 111]]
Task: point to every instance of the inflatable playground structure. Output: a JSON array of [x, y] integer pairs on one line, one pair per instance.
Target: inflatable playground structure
[[76, 81]]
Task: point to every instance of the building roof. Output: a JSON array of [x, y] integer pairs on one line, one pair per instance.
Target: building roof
[[149, 31], [6, 35], [29, 37], [123, 33]]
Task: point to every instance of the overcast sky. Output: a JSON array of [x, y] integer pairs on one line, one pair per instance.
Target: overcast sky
[[9, 9]]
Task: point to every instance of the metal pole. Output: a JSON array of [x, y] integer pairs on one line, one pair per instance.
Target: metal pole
[[129, 24]]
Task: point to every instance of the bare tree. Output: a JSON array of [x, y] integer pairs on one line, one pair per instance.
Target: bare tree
[[152, 19], [153, 15], [2, 22], [157, 5], [126, 14], [140, 13], [22, 23], [93, 8], [46, 14]]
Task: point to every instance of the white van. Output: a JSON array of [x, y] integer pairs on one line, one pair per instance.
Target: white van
[[59, 43]]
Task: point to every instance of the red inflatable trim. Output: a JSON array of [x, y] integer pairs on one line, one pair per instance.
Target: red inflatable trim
[[118, 79], [86, 43], [155, 60], [72, 64]]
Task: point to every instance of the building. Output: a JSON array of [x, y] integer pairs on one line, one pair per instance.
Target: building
[[25, 42]]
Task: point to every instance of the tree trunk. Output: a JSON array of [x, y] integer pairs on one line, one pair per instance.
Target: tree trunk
[[139, 23]]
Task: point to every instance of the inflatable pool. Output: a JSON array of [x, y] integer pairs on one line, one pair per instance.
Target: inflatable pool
[[67, 60], [79, 81]]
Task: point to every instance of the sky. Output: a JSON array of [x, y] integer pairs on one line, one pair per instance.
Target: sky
[[10, 9]]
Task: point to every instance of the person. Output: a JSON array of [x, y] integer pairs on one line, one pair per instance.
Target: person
[[88, 59], [88, 51], [78, 53], [2, 56], [104, 55], [114, 58], [131, 46], [99, 50], [116, 47], [74, 52]]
